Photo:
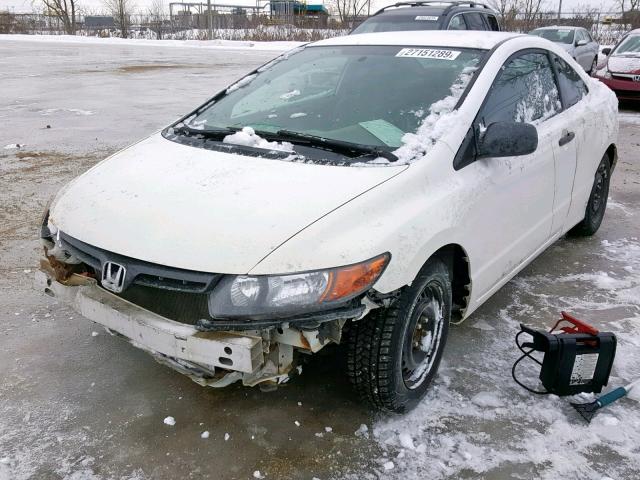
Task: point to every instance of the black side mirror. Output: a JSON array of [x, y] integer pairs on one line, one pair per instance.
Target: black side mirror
[[606, 51], [508, 139]]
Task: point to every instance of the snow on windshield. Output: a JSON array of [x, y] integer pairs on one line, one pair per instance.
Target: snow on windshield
[[248, 138], [442, 117]]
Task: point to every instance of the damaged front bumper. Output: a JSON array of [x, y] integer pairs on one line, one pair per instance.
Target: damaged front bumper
[[214, 358]]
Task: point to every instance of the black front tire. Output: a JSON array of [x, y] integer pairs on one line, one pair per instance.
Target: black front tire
[[394, 353], [597, 203]]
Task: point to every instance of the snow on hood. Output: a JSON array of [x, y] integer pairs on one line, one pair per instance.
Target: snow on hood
[[623, 64], [199, 209]]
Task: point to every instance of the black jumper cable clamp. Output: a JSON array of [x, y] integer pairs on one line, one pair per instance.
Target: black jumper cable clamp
[[577, 357]]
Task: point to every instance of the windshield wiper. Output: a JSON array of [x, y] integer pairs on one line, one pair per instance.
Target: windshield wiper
[[339, 146], [208, 132]]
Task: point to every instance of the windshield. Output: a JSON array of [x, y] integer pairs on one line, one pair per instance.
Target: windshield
[[366, 95], [398, 23], [561, 35], [629, 46]]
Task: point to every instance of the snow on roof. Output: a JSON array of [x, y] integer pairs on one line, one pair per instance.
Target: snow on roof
[[558, 27], [432, 38]]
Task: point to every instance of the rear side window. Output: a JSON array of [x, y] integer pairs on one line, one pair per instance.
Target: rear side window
[[571, 85], [524, 91], [493, 23], [457, 23], [475, 21]]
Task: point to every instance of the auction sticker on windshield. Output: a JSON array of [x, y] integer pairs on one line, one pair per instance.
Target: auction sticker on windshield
[[428, 53], [427, 18]]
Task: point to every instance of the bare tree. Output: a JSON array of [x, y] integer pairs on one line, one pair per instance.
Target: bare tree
[[630, 10], [508, 11], [121, 11], [350, 10], [156, 14], [64, 11]]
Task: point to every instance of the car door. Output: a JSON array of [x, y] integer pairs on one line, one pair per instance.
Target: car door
[[582, 150], [582, 54], [593, 47], [511, 211], [570, 124]]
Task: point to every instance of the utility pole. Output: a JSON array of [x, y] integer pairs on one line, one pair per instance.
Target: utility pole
[[559, 10], [210, 21]]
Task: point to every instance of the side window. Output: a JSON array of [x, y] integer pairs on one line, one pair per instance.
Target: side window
[[579, 36], [571, 85], [457, 23], [493, 22], [524, 91], [475, 21], [587, 35]]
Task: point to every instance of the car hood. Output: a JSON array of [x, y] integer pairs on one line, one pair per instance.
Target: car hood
[[623, 64], [203, 210]]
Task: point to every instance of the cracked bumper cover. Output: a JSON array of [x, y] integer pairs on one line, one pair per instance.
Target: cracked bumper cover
[[149, 331]]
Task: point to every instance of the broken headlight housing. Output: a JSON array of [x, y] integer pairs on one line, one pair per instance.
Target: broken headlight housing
[[255, 296]]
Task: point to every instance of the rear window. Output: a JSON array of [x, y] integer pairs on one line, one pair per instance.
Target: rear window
[[399, 23], [560, 35]]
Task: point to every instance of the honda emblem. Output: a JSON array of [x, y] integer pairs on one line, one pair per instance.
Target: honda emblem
[[113, 277], [636, 78]]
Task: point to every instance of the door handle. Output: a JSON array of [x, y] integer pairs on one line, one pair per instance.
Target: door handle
[[566, 138]]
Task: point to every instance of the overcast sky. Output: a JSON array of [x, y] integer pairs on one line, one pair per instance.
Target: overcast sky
[[20, 6]]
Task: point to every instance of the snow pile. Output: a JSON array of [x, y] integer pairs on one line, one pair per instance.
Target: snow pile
[[441, 119], [475, 422], [207, 44], [170, 421], [247, 137]]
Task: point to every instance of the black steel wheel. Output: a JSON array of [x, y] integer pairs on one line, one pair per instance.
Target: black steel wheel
[[597, 204], [394, 353]]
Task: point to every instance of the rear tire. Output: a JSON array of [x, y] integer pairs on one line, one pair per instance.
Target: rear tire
[[597, 203], [594, 65], [394, 353]]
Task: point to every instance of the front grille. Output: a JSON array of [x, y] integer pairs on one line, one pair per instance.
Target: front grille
[[174, 293], [622, 77], [179, 306], [140, 272]]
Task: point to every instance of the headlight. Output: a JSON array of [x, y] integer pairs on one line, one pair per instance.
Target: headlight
[[286, 295]]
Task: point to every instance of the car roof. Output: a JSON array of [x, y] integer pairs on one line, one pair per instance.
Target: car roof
[[559, 27], [481, 39], [431, 10]]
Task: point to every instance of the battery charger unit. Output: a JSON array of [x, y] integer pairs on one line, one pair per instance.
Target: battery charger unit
[[577, 358]]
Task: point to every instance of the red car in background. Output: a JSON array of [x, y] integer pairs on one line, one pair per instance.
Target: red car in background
[[621, 70]]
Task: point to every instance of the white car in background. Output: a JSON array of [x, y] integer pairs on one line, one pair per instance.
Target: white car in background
[[368, 189], [577, 41]]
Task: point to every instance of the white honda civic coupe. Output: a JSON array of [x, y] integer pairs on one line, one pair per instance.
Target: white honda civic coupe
[[369, 189]]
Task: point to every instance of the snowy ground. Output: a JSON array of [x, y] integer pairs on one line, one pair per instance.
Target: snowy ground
[[76, 404]]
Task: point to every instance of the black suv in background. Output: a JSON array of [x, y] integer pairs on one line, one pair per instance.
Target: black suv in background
[[430, 15]]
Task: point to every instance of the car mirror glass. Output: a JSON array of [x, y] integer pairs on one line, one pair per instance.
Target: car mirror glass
[[508, 139], [606, 51]]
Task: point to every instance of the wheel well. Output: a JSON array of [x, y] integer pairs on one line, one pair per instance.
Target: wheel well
[[612, 153], [457, 261]]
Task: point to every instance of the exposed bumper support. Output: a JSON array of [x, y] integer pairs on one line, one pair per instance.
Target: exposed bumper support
[[152, 332]]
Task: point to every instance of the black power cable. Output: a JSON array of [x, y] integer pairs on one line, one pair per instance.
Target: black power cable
[[525, 354]]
